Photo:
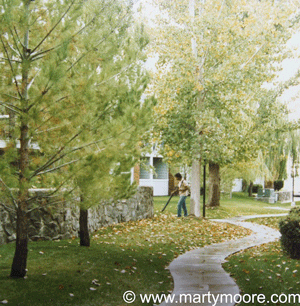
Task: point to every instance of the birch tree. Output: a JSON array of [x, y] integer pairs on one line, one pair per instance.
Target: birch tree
[[239, 47]]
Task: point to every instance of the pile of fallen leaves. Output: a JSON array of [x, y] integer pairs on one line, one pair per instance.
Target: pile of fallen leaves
[[272, 222], [166, 230]]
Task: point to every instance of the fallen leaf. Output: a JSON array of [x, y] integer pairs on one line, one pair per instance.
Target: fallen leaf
[[95, 282]]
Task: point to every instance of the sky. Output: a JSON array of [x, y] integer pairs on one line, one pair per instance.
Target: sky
[[290, 68]]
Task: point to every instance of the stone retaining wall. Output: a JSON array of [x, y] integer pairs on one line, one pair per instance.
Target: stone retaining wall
[[62, 221], [284, 196]]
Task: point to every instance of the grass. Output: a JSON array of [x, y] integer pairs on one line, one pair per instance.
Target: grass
[[130, 256], [239, 205], [272, 222], [266, 269]]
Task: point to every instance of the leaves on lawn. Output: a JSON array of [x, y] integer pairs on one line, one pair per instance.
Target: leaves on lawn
[[265, 265], [178, 235], [95, 282]]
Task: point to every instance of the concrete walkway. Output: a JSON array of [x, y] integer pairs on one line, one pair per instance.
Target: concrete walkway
[[199, 278]]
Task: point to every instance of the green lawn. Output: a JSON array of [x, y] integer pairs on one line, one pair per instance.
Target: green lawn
[[129, 256], [239, 205], [267, 270]]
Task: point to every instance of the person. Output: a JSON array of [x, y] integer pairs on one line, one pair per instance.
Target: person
[[184, 190]]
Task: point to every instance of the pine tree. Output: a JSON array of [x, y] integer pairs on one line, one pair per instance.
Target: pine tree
[[73, 78]]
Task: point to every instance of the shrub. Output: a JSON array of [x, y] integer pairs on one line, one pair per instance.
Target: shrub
[[256, 187], [290, 231], [278, 185]]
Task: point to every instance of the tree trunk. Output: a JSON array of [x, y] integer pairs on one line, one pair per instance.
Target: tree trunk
[[18, 269], [214, 185], [250, 190], [195, 188], [269, 184], [83, 228]]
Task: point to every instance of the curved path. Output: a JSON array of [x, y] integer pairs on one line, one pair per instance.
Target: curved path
[[198, 275]]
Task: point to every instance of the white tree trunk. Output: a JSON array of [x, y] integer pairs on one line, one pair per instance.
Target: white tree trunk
[[195, 188], [196, 165]]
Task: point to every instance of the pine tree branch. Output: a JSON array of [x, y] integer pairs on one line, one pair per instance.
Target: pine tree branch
[[39, 99], [12, 60], [48, 204], [54, 27], [7, 208], [18, 51], [11, 67], [55, 190], [99, 43], [97, 141], [10, 193], [50, 129], [11, 107], [115, 75], [10, 96], [58, 167], [105, 111], [57, 157], [41, 54], [20, 41], [31, 82]]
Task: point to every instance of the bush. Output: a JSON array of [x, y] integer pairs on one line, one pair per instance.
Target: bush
[[278, 185], [290, 231], [256, 187]]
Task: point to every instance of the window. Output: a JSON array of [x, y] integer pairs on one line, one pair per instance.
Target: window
[[144, 168], [160, 168]]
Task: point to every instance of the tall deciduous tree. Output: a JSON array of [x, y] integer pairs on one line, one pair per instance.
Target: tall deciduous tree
[[72, 77], [208, 105]]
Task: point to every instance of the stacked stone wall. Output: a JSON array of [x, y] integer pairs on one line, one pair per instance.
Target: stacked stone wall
[[284, 196], [49, 221]]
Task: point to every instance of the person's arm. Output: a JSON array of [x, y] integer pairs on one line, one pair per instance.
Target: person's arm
[[174, 191]]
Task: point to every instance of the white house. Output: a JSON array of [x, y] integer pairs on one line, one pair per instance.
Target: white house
[[152, 171]]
